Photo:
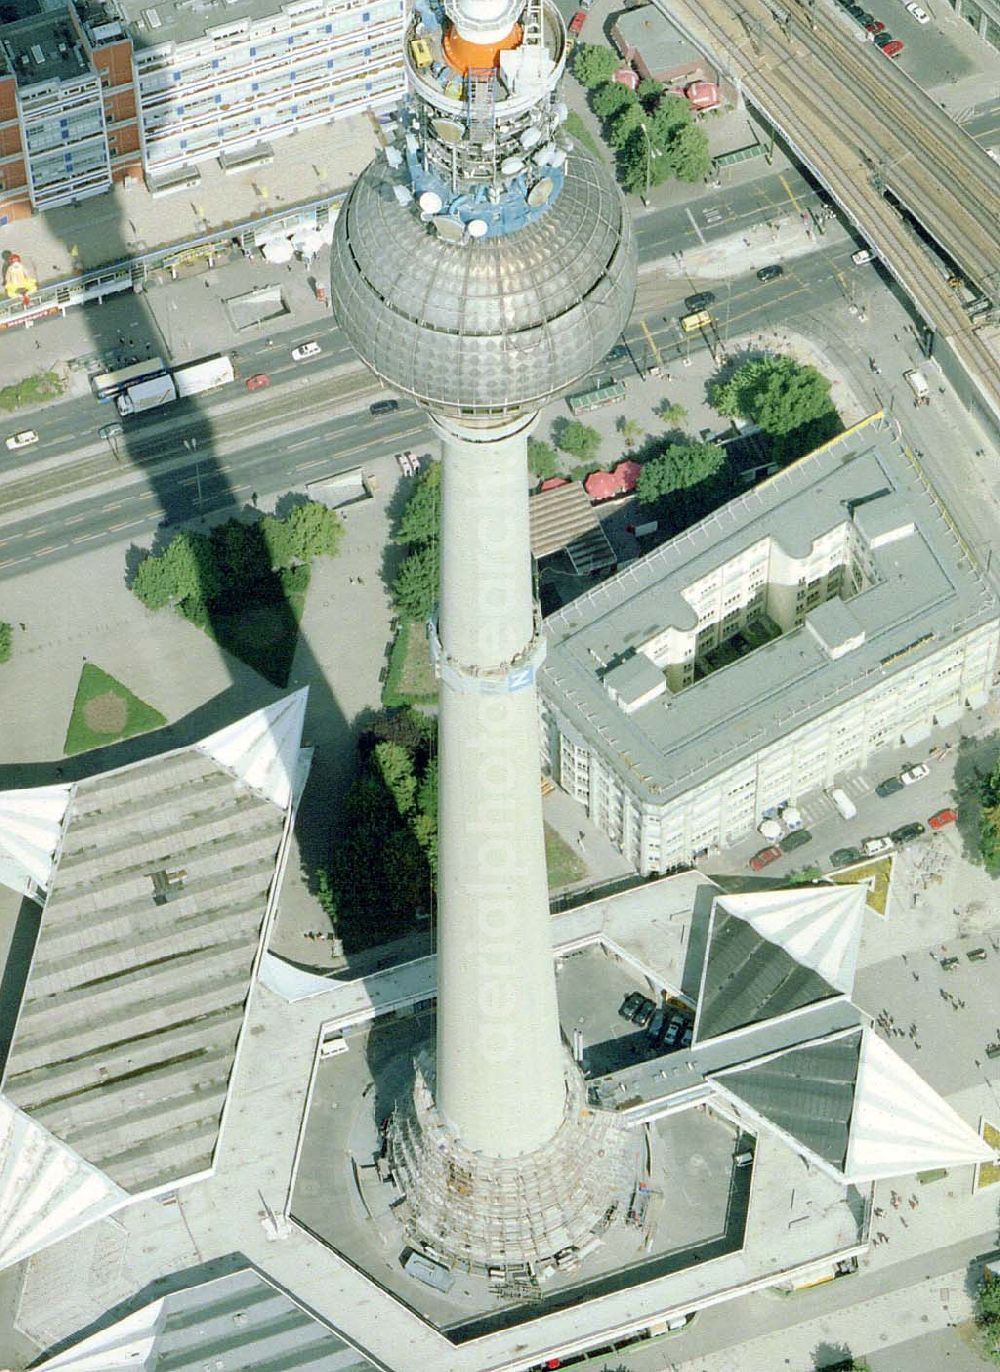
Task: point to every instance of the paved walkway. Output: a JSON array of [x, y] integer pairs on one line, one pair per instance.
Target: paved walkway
[[126, 222]]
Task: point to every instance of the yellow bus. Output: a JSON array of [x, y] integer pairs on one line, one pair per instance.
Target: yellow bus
[[699, 320]]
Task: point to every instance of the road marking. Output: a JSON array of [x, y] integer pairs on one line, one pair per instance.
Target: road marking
[[85, 538], [695, 226], [13, 561], [113, 528], [791, 193], [316, 462], [113, 505], [54, 548], [74, 519]]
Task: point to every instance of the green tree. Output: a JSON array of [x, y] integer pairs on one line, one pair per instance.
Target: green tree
[[610, 99], [543, 461], [688, 154], [789, 401], [421, 519], [186, 572], [395, 765], [649, 92], [314, 530], [594, 63], [671, 413], [579, 440], [671, 114], [625, 124], [989, 838], [987, 1313], [630, 430], [415, 588], [679, 467], [6, 642]]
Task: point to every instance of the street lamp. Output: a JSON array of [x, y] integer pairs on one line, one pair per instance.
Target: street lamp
[[649, 161]]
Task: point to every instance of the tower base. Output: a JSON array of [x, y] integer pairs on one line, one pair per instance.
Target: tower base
[[510, 1218]]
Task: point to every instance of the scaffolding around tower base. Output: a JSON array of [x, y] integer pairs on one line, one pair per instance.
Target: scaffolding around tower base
[[510, 1218]]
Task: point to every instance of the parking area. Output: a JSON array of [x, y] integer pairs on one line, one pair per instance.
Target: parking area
[[878, 815], [594, 988], [934, 49]]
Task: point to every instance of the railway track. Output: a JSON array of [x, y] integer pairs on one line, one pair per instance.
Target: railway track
[[829, 122]]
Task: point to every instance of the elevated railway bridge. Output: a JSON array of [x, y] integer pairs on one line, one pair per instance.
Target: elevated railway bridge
[[884, 149]]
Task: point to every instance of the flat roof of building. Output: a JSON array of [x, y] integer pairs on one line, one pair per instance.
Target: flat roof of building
[[43, 47], [926, 593], [150, 23], [660, 44]]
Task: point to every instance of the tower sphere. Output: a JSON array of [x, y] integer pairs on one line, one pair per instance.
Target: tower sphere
[[490, 327]]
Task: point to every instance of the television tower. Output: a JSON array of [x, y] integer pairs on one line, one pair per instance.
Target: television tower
[[482, 265]]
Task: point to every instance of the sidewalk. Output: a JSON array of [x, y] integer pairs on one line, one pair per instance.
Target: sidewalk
[[124, 222]]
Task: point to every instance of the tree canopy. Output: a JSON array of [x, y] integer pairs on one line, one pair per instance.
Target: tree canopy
[[543, 461], [679, 467], [594, 63], [989, 848], [579, 440], [415, 589], [609, 99], [987, 1307], [790, 401], [421, 516], [6, 641]]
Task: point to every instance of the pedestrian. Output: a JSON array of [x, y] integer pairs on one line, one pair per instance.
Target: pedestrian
[[916, 976], [37, 344], [22, 628]]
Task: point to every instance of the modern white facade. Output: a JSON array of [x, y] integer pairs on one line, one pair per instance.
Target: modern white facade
[[259, 76], [827, 615]]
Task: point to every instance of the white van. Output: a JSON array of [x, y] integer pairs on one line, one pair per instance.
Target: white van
[[845, 805]]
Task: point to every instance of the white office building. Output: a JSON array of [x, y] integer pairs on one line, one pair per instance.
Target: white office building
[[769, 651]]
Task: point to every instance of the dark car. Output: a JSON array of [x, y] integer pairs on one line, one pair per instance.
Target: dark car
[[630, 1004], [383, 407], [844, 857], [764, 857], [656, 1025], [770, 273], [882, 40], [889, 787], [701, 301], [906, 833], [795, 840], [643, 1012], [617, 353]]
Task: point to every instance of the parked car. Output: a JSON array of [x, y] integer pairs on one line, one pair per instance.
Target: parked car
[[894, 48], [657, 1024], [258, 382], [672, 1032], [876, 26], [23, 439], [686, 1036], [770, 273], [872, 847], [883, 40], [906, 833], [914, 773], [921, 16], [643, 1012], [862, 256], [795, 840], [889, 787], [306, 350], [943, 818], [407, 464], [384, 407], [764, 857], [617, 353], [576, 23], [631, 1002], [700, 301], [844, 857]]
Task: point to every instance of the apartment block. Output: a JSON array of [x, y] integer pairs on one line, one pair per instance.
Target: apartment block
[[767, 652], [104, 91]]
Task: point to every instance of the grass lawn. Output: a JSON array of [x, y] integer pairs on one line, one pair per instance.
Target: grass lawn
[[105, 711], [32, 391], [563, 864], [877, 873], [988, 1173], [578, 131], [410, 679]]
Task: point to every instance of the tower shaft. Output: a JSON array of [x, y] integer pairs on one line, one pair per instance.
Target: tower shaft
[[500, 1070]]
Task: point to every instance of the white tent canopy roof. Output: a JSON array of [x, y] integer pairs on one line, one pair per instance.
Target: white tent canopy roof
[[819, 926], [47, 1191], [900, 1124], [30, 828], [263, 748]]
